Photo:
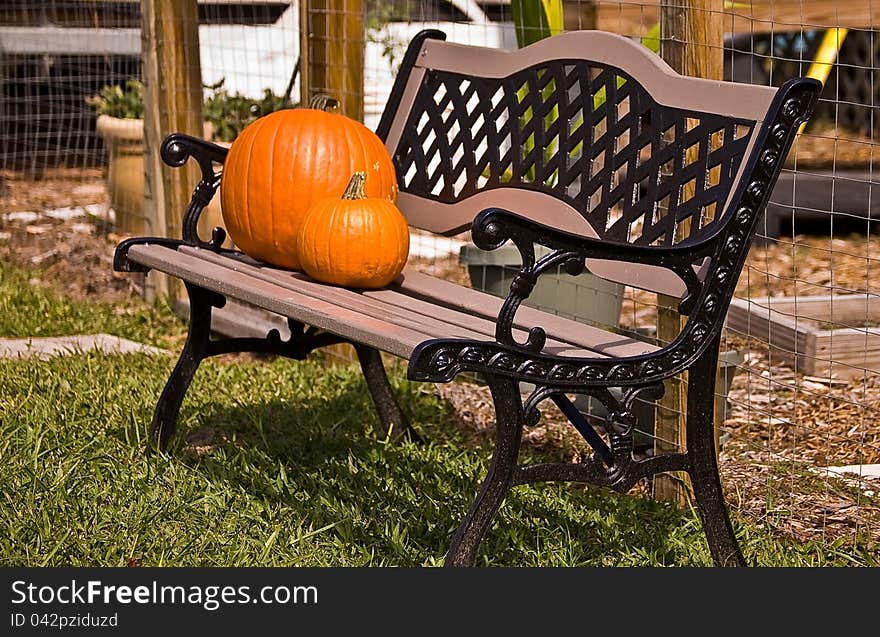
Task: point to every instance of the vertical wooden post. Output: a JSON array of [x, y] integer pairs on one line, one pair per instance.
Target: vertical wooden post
[[332, 44], [305, 38], [332, 41], [692, 43], [579, 14], [172, 103], [692, 37]]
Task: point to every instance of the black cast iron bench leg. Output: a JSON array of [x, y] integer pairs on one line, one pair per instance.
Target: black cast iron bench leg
[[194, 351], [199, 346], [390, 413], [703, 465], [508, 434]]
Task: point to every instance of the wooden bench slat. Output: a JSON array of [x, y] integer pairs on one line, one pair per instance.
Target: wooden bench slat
[[476, 323], [487, 306], [565, 337], [389, 329], [387, 337], [442, 320], [439, 321], [430, 326], [417, 285]]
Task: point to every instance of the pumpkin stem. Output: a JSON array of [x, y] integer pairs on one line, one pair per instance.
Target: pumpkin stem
[[355, 188], [323, 102]]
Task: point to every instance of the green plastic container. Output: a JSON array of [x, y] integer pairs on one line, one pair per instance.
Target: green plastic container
[[585, 298]]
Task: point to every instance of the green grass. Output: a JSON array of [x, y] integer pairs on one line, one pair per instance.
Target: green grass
[[302, 474], [26, 310]]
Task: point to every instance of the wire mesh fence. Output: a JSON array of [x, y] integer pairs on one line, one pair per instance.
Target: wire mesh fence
[[798, 391]]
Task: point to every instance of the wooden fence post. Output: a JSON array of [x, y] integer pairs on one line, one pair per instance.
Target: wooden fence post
[[172, 103], [332, 41], [332, 45], [692, 43], [578, 14]]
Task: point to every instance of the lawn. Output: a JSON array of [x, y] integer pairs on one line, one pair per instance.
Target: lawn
[[32, 305], [281, 463]]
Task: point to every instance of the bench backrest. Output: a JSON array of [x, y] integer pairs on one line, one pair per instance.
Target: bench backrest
[[586, 131]]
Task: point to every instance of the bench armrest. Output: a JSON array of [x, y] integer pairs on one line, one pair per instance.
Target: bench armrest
[[494, 226], [176, 150], [440, 360]]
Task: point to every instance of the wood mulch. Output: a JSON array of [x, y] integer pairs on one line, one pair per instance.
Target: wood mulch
[[821, 141], [784, 428], [77, 252]]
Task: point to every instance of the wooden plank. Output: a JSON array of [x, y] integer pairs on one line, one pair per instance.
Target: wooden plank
[[788, 326], [845, 340], [579, 14], [52, 40], [839, 308], [637, 18], [441, 320], [388, 304], [172, 103], [397, 307], [788, 317], [784, 335], [393, 339], [305, 38], [487, 305], [792, 15], [692, 37], [336, 310], [418, 286], [753, 319], [334, 53], [441, 323], [627, 18]]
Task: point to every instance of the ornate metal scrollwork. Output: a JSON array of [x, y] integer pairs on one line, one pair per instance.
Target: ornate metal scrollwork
[[612, 463], [176, 150], [489, 235], [301, 342]]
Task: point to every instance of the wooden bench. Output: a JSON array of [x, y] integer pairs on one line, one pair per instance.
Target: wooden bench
[[585, 143]]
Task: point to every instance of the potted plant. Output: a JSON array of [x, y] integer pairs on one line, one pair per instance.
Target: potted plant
[[120, 124]]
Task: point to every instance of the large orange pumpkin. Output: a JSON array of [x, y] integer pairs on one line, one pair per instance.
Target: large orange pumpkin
[[283, 162], [353, 241]]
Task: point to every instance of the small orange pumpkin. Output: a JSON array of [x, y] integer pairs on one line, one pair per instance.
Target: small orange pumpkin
[[354, 241], [283, 162]]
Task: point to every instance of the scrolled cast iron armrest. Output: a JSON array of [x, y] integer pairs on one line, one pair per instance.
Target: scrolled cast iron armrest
[[494, 226], [441, 360], [176, 150]]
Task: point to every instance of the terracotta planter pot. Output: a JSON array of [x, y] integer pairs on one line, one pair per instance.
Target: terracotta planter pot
[[124, 140]]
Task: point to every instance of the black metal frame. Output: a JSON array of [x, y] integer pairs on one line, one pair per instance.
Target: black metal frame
[[505, 362]]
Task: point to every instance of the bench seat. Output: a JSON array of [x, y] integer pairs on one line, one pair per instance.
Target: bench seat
[[415, 308]]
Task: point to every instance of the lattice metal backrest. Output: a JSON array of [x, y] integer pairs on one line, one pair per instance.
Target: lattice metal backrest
[[586, 133]]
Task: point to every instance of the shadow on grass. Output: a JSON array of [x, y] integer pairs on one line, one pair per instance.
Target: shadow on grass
[[328, 461]]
